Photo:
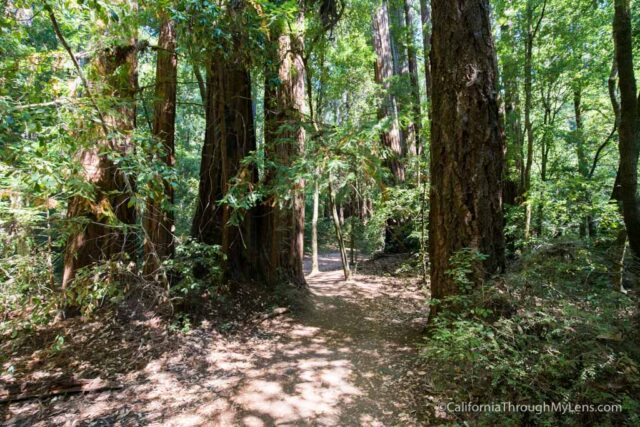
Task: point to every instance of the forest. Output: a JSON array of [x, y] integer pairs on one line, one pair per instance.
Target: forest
[[319, 212]]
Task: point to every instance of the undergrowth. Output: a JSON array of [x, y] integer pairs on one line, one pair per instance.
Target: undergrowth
[[552, 330]]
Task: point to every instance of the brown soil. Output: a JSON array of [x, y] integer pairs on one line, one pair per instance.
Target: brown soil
[[344, 356]]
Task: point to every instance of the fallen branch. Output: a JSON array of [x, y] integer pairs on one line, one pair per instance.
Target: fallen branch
[[18, 393], [275, 313]]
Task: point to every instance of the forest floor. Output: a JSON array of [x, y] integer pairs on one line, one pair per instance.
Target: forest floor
[[345, 354]]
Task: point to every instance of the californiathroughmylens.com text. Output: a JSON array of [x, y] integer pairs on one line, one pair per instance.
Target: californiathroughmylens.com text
[[561, 407]]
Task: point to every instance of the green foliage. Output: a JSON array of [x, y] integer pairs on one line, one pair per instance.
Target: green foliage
[[464, 266], [403, 205], [98, 284], [195, 269], [58, 343], [24, 280], [181, 323], [551, 331]]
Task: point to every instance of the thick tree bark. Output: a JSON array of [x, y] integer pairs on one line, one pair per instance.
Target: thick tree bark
[[383, 74], [467, 150], [388, 112], [107, 220], [395, 9], [158, 220], [229, 138], [282, 221], [629, 144], [207, 217]]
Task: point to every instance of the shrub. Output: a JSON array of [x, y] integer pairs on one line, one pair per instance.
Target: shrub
[[551, 331]]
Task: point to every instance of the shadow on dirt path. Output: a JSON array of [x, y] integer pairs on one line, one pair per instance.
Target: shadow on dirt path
[[345, 357]]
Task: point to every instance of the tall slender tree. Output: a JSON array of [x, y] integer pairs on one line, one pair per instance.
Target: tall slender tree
[[467, 150], [587, 225], [413, 135], [425, 20], [532, 29], [629, 129], [510, 72]]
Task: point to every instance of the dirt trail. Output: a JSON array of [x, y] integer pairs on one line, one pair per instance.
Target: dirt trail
[[347, 357]]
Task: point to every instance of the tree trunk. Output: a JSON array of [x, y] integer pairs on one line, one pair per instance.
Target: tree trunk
[[612, 85], [339, 236], [229, 138], [513, 120], [383, 74], [413, 136], [587, 226], [467, 154], [283, 221], [106, 221], [388, 112], [314, 227], [621, 237], [531, 33], [158, 220], [629, 140], [545, 147], [207, 216], [425, 19], [395, 9], [353, 242], [528, 95], [399, 57]]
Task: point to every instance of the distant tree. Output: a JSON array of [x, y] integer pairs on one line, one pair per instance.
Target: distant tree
[[532, 30], [413, 135], [425, 20], [383, 74]]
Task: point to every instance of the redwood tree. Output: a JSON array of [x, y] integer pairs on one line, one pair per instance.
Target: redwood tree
[[413, 137], [391, 137], [467, 151], [383, 74], [229, 138], [106, 220], [425, 20], [159, 221], [282, 220]]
